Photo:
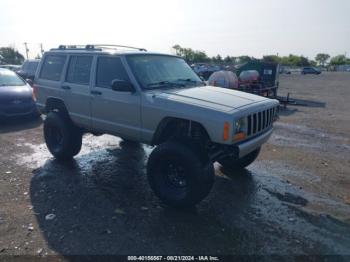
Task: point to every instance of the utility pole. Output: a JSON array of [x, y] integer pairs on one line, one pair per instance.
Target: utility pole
[[26, 47], [41, 48]]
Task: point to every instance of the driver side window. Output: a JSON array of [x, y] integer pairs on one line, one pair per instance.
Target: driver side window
[[109, 69]]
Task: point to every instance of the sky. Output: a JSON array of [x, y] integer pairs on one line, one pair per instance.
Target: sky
[[225, 27]]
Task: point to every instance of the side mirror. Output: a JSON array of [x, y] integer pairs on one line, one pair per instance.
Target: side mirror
[[122, 86], [30, 82]]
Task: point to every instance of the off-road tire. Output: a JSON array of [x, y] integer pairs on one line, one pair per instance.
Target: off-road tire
[[230, 164], [197, 174], [62, 138]]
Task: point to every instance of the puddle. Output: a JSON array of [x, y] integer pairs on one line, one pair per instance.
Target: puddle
[[39, 153]]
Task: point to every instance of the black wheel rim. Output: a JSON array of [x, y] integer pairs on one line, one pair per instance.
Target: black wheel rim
[[175, 175]]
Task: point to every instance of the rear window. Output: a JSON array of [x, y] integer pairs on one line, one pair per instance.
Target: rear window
[[108, 69], [79, 70], [52, 67], [24, 65]]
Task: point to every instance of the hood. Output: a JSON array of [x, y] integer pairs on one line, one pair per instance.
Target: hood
[[216, 98], [15, 92]]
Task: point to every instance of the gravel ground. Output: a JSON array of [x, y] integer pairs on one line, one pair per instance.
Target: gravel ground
[[294, 200]]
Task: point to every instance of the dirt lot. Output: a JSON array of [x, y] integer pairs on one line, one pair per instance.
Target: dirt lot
[[294, 200]]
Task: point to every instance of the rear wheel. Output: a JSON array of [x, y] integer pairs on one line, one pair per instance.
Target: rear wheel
[[178, 174], [62, 138], [231, 164]]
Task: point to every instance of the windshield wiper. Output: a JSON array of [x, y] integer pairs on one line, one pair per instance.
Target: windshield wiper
[[165, 84], [189, 80]]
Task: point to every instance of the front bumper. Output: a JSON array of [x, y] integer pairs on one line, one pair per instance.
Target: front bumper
[[242, 149], [249, 146]]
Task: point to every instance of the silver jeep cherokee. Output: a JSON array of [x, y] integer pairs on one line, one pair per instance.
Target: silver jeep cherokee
[[154, 99]]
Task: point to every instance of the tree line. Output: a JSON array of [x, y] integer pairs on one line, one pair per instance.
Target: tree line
[[9, 55], [321, 59]]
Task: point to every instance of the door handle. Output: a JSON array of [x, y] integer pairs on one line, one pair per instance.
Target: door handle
[[94, 92], [66, 87]]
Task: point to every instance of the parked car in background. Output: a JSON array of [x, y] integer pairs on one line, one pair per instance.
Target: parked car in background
[[205, 70], [28, 69], [285, 70], [310, 70], [16, 96], [14, 68]]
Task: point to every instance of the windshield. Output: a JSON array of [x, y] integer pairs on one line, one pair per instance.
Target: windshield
[[8, 78], [161, 71]]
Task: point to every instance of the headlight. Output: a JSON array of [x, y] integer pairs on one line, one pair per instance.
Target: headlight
[[240, 129], [240, 125]]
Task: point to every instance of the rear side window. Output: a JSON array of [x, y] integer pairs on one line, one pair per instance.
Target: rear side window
[[52, 67], [79, 70], [32, 67], [108, 69]]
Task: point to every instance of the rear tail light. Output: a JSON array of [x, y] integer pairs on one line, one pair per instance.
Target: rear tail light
[[34, 89]]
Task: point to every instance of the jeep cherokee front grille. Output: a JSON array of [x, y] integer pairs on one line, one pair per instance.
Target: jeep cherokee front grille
[[260, 121]]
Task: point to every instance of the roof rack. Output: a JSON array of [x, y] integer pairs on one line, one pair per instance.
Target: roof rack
[[116, 47], [96, 47]]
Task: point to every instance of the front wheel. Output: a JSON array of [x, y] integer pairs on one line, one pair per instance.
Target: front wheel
[[178, 175], [62, 138], [231, 164]]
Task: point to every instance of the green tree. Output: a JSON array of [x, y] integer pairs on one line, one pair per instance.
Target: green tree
[[191, 56], [339, 60], [271, 59], [313, 63], [322, 58], [9, 55], [303, 61], [244, 59], [294, 60], [230, 60], [217, 59]]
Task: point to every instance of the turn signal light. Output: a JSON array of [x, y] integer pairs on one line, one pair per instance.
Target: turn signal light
[[226, 135], [239, 136]]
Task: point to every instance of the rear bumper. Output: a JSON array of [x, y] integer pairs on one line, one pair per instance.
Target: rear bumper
[[249, 146]]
